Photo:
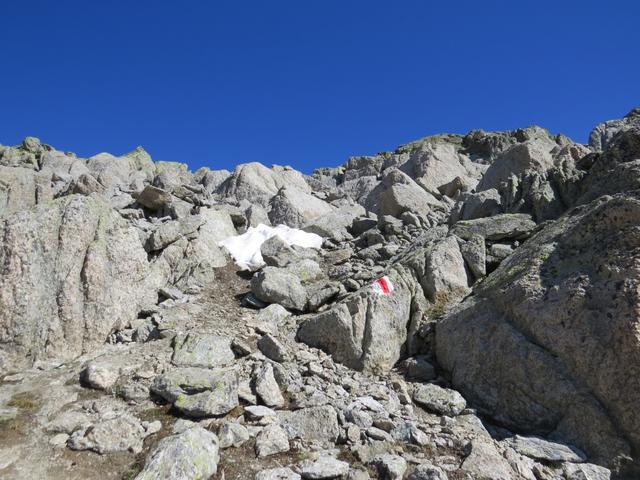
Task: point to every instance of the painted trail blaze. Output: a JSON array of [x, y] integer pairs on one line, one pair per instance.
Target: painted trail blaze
[[383, 286]]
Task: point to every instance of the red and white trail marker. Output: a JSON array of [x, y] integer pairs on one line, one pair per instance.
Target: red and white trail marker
[[383, 286]]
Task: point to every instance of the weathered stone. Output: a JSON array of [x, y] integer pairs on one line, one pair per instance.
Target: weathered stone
[[202, 350], [296, 208], [586, 471], [271, 440], [390, 467], [498, 227], [266, 387], [323, 468], [99, 376], [198, 392], [314, 423], [475, 254], [282, 473], [275, 285], [118, 434], [169, 232], [439, 400], [556, 370], [71, 272], [545, 450], [189, 455], [232, 435], [485, 462], [427, 471], [272, 348]]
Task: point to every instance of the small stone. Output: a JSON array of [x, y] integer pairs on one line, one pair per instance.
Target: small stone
[[266, 387], [427, 471], [273, 349], [100, 377], [378, 434], [277, 474], [323, 467], [419, 368], [259, 412], [271, 440], [390, 467], [232, 435], [442, 401], [59, 440]]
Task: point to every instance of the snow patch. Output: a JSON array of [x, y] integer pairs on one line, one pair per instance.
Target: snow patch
[[245, 248]]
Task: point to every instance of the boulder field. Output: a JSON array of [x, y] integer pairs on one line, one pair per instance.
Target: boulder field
[[473, 312]]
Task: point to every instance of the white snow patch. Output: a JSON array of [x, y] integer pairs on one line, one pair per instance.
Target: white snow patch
[[245, 248]]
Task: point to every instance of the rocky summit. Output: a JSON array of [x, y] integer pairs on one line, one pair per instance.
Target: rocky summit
[[472, 313]]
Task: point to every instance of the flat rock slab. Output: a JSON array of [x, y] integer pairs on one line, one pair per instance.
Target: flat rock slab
[[498, 227], [202, 350], [323, 467], [541, 449], [439, 400], [314, 423]]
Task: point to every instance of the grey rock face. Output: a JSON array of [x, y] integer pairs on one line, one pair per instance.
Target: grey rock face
[[258, 184], [574, 275], [191, 454], [366, 330], [398, 193], [390, 467], [602, 135], [427, 471], [586, 471], [71, 273]]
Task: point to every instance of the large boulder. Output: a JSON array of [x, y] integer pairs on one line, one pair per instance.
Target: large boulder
[[398, 193], [436, 164], [191, 454], [499, 227], [367, 330], [550, 342], [278, 285], [258, 184], [295, 208], [71, 272], [602, 135]]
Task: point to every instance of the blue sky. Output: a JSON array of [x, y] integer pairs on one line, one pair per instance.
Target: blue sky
[[307, 83]]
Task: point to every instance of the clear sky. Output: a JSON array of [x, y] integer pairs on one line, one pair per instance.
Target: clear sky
[[307, 83]]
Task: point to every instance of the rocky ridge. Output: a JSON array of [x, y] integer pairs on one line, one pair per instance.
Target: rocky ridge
[[503, 343]]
